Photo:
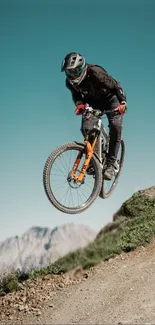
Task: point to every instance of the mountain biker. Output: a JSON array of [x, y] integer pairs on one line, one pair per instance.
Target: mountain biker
[[91, 85]]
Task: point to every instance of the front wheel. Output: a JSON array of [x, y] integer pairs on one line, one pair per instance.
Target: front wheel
[[66, 195], [109, 186]]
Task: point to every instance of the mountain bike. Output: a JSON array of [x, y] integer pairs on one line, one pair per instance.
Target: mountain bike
[[73, 175]]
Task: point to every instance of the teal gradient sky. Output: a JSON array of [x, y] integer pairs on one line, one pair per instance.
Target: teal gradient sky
[[37, 113]]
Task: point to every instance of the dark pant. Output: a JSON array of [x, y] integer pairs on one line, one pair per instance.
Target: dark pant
[[115, 130]]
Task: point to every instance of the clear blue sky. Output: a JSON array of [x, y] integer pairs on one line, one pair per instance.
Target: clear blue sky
[[37, 112]]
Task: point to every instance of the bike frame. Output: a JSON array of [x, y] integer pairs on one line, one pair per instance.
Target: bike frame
[[100, 134]]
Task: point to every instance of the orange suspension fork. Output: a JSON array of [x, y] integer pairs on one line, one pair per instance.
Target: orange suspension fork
[[89, 150], [76, 164]]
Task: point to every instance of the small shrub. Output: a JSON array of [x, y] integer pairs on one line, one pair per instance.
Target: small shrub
[[10, 286]]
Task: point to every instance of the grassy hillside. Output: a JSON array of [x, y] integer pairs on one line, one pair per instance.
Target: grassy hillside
[[133, 225]]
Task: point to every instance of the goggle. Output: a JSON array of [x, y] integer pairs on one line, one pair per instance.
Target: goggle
[[74, 72]]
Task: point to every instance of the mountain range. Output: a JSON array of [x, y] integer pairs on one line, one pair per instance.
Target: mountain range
[[38, 247]]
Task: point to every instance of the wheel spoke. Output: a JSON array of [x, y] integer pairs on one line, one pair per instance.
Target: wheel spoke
[[69, 194]]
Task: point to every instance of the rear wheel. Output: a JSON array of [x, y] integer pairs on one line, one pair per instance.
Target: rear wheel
[[109, 186], [67, 195]]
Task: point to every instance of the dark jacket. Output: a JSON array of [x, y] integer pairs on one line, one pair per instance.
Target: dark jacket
[[98, 89]]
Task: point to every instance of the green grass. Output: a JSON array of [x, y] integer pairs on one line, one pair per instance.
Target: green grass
[[137, 229]]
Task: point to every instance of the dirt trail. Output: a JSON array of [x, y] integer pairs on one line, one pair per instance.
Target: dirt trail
[[119, 291]]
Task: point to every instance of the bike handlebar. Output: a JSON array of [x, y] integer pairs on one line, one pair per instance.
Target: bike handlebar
[[101, 113]]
